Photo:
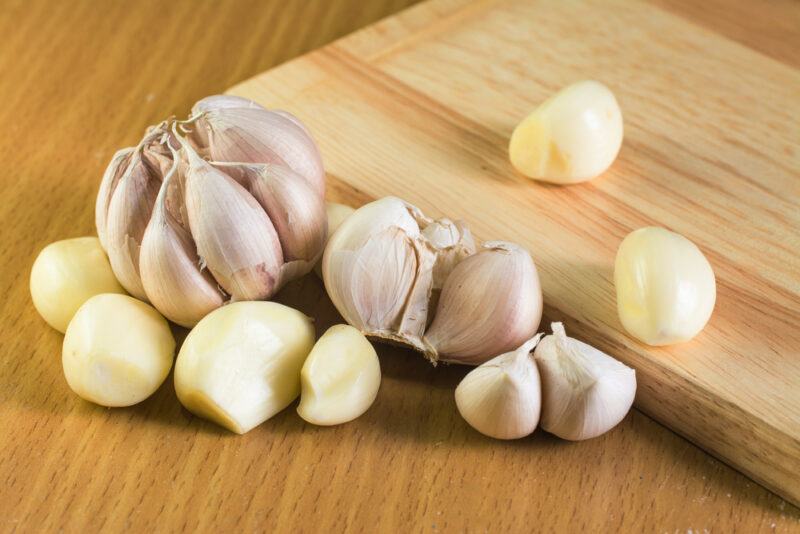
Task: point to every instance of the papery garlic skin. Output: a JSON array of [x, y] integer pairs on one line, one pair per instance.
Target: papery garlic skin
[[666, 288], [501, 398], [117, 350], [115, 170], [241, 364], [66, 274], [573, 136], [585, 392], [490, 303], [340, 378], [336, 214]]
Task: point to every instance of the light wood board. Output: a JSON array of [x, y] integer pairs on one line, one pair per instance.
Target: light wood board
[[422, 105]]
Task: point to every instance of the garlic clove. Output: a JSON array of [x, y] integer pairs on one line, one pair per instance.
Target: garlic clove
[[501, 398], [453, 242], [572, 137], [169, 265], [490, 303], [340, 378], [235, 238], [215, 102], [666, 288], [585, 392], [253, 135], [111, 177], [241, 364], [336, 214]]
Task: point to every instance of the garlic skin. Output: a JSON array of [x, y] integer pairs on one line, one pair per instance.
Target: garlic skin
[[336, 214], [340, 378], [490, 303], [585, 392], [666, 288], [111, 177], [66, 274], [117, 350], [502, 398], [573, 136], [241, 364]]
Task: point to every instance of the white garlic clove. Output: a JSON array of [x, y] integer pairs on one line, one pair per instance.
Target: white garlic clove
[[574, 136], [253, 135], [336, 214], [490, 303], [501, 398], [666, 288], [241, 364], [214, 102], [585, 392], [234, 236], [169, 265], [453, 242], [340, 378], [113, 173]]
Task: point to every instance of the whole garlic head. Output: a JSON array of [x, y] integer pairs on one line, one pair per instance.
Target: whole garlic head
[[574, 136], [585, 392], [502, 398], [666, 288]]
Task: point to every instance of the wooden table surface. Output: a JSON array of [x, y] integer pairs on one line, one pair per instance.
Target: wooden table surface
[[83, 78]]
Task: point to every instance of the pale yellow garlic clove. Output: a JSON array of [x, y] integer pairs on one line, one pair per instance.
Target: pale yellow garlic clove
[[490, 303], [170, 267], [585, 392], [340, 378], [66, 274], [501, 398], [572, 137], [117, 350], [336, 214], [254, 135], [234, 236], [241, 364], [115, 170], [666, 288]]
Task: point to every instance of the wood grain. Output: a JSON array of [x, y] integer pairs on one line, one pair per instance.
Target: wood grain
[[80, 81]]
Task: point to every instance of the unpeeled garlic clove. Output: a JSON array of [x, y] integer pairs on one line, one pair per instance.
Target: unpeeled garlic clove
[[453, 243], [574, 136], [585, 392], [340, 378], [490, 303], [336, 214], [169, 265], [214, 102], [256, 135], [501, 398], [111, 177]]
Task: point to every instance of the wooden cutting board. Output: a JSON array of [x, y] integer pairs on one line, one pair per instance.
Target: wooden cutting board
[[421, 106]]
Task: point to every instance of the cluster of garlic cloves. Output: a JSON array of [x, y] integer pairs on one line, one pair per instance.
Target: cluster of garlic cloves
[[227, 205], [395, 274]]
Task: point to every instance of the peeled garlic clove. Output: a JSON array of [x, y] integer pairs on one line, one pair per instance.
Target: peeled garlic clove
[[340, 378], [501, 398], [336, 214], [241, 364], [572, 137], [117, 350], [114, 172], [253, 135], [68, 273], [585, 392], [234, 237], [666, 288], [170, 267], [490, 303]]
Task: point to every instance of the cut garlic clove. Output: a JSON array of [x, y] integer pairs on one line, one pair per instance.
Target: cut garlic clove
[[117, 350], [585, 392], [490, 304], [335, 214], [114, 172], [340, 377], [234, 236], [241, 364], [572, 137], [502, 397], [666, 288]]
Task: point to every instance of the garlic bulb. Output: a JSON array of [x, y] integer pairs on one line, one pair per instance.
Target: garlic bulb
[[502, 398], [574, 136], [386, 264], [585, 392], [188, 234], [665, 286]]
